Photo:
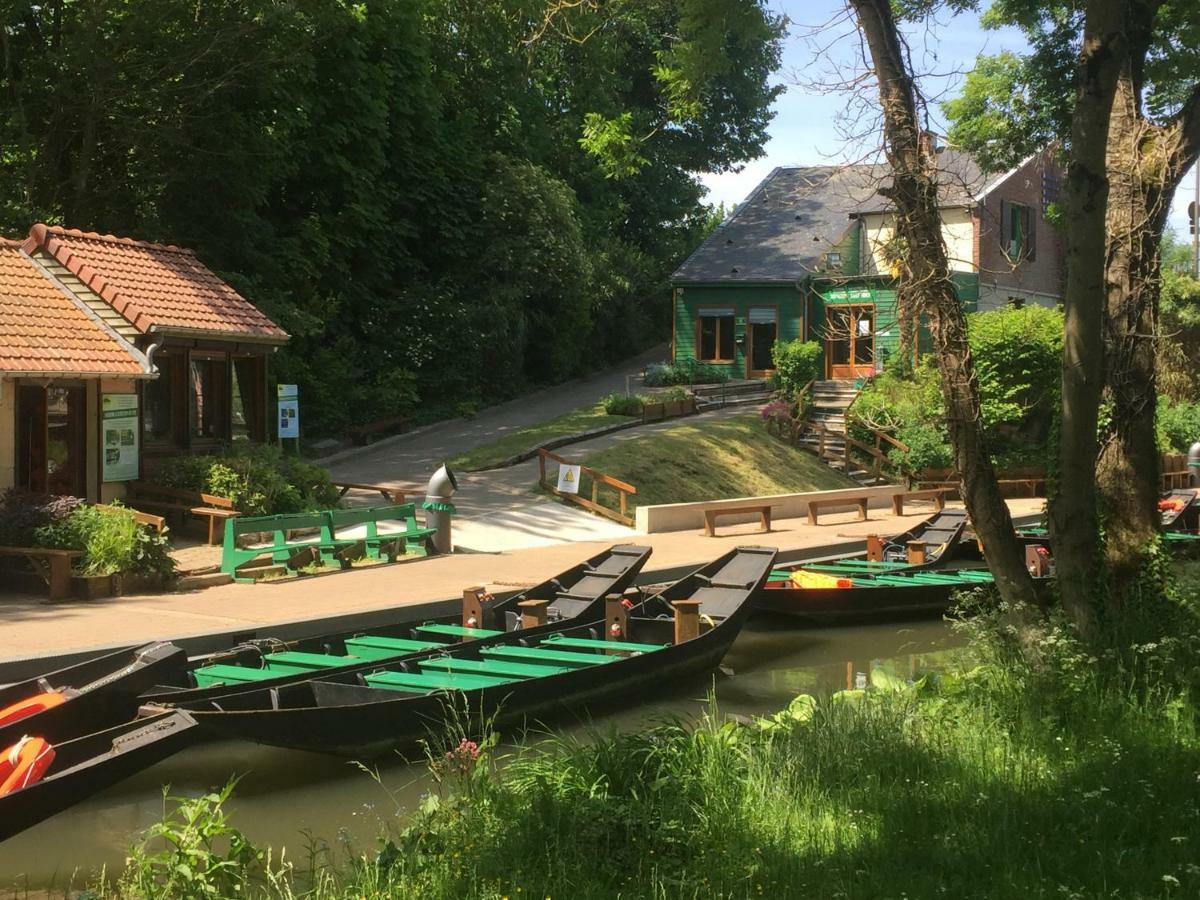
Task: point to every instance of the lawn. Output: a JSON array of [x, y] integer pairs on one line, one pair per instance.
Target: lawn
[[713, 459], [586, 418]]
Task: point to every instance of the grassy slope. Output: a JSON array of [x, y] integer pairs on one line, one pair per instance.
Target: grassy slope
[[713, 460], [586, 418]]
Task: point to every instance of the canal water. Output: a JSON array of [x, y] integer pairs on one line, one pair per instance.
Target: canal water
[[288, 798]]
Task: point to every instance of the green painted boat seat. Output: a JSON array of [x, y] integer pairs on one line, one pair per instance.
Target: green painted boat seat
[[371, 646], [568, 658], [210, 676], [430, 681], [503, 668], [456, 630], [589, 643], [294, 660]]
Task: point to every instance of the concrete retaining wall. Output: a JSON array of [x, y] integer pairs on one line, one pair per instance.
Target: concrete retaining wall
[[688, 516]]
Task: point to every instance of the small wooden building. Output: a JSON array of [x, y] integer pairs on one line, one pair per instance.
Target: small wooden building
[[115, 353]]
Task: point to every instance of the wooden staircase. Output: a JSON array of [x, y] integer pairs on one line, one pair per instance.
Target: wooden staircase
[[732, 393], [821, 429]]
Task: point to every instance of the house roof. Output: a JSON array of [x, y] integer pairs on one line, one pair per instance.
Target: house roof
[[44, 331], [798, 213], [154, 286]]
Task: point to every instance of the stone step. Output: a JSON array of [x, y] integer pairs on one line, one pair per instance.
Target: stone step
[[194, 582]]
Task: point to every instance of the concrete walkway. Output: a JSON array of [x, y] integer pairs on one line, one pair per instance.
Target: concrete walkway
[[32, 629]]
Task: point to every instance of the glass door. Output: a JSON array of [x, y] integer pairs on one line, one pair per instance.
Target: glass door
[[849, 342], [52, 440], [763, 332]]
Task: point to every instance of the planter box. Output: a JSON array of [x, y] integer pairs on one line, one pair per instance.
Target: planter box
[[92, 587], [124, 583]]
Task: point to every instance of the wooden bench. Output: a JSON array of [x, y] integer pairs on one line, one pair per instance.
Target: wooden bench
[[937, 495], [392, 493], [52, 566], [158, 523], [711, 515], [1028, 477], [363, 434], [815, 506], [183, 503]]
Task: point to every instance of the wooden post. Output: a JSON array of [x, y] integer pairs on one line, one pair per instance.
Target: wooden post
[[849, 674], [541, 467], [472, 607], [616, 618], [687, 620], [623, 496], [533, 612], [916, 553], [1037, 561], [874, 548]]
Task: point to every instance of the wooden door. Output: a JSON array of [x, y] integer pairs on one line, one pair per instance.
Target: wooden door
[[849, 342]]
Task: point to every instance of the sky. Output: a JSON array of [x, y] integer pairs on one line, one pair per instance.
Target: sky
[[805, 132]]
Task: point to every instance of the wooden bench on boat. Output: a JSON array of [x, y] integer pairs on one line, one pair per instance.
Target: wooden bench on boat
[[859, 500], [763, 510], [937, 495], [176, 501], [51, 565]]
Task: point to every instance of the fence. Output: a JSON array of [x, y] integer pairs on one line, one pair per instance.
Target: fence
[[624, 491]]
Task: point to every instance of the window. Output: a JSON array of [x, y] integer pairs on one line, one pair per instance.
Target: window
[[249, 392], [716, 335], [1018, 236], [208, 396], [156, 401]]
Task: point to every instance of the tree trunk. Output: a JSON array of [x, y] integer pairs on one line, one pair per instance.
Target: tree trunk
[[1073, 518], [1146, 164], [930, 290]]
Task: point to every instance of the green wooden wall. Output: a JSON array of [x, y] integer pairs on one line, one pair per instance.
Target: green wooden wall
[[689, 299]]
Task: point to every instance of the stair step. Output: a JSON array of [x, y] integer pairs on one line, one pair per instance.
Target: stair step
[[200, 582]]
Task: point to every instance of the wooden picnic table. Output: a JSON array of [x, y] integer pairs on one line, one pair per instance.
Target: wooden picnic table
[[392, 492]]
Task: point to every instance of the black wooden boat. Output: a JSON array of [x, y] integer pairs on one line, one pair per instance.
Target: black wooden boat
[[534, 673], [87, 765], [941, 533], [825, 598], [85, 697], [1179, 510], [576, 594]]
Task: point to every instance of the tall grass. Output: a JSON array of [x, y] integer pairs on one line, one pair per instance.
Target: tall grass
[[1076, 777]]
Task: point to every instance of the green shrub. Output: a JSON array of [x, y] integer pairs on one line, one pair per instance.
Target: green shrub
[[112, 542], [1018, 361], [929, 448], [23, 513], [623, 404], [259, 478], [1178, 425], [795, 364], [684, 372]]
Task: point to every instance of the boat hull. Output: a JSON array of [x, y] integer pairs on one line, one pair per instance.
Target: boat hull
[[827, 606]]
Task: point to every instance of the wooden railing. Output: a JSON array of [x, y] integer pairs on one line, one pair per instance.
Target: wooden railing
[[624, 491]]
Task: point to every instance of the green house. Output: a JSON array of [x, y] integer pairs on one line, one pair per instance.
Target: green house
[[811, 254]]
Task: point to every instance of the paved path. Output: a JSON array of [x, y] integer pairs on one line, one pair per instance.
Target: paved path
[[32, 629]]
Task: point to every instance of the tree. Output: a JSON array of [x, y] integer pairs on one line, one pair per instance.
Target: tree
[[930, 290]]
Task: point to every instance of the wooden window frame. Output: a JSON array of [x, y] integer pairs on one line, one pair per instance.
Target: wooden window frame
[[700, 314]]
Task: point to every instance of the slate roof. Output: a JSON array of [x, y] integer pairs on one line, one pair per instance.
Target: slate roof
[[798, 213], [44, 331], [154, 285]]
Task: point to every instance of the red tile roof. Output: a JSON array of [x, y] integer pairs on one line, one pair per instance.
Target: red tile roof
[[43, 331], [154, 284]]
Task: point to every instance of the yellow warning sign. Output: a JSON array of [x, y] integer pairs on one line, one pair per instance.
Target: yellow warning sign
[[568, 479]]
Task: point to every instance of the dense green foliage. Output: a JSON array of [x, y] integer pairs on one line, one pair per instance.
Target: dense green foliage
[[1018, 358], [1072, 776], [112, 542], [23, 513], [260, 479], [687, 371], [401, 184], [795, 364]]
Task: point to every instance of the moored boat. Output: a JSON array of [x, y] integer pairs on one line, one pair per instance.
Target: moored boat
[[576, 594], [928, 544], [681, 632], [86, 697], [46, 778]]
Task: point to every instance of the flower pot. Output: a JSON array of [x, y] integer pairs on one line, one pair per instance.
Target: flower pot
[[92, 587]]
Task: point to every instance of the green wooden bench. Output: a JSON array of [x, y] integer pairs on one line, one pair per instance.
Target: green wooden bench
[[211, 676], [370, 646], [591, 644], [456, 631], [568, 658], [281, 548], [289, 662], [499, 667], [413, 541], [427, 682]]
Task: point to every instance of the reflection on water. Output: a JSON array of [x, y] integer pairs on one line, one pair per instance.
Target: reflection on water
[[284, 793]]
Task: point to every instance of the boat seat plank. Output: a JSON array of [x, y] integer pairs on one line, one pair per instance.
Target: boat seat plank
[[456, 630], [499, 667], [452, 681], [212, 676], [719, 602], [301, 660], [590, 643], [370, 646], [568, 658]]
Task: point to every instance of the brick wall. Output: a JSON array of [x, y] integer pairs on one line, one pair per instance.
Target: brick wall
[[1037, 280]]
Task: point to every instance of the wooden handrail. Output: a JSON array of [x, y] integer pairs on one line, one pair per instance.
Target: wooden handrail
[[624, 490]]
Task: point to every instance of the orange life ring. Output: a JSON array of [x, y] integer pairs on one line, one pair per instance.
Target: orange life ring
[[24, 763], [30, 706]]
